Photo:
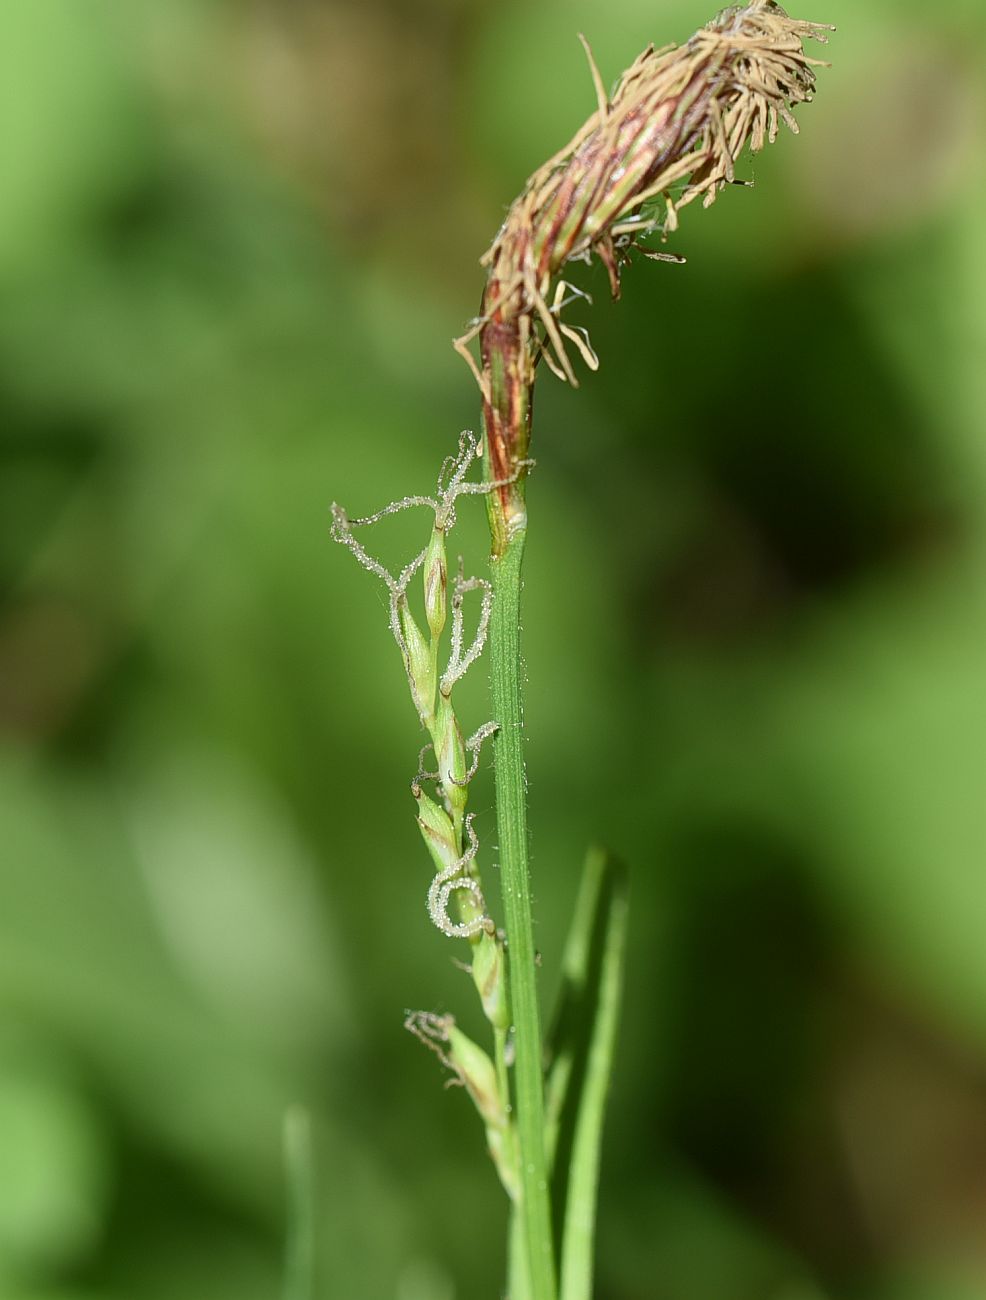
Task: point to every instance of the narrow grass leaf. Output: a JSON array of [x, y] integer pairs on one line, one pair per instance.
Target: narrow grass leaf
[[582, 1042]]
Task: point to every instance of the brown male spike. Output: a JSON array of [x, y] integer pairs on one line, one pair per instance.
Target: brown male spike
[[673, 129]]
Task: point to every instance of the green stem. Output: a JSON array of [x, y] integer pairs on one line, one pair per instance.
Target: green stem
[[500, 1060], [511, 809], [518, 1274], [299, 1269]]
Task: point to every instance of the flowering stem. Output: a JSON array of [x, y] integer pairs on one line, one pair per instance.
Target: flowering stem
[[671, 132], [511, 808]]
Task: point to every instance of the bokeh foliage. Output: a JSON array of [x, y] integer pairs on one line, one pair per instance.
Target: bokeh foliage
[[235, 241]]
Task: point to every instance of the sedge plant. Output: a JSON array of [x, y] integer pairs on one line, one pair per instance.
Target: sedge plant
[[671, 132]]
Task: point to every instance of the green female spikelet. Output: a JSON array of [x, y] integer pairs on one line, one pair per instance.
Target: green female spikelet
[[455, 901]]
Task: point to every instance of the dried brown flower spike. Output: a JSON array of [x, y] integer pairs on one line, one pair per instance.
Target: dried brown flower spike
[[671, 132]]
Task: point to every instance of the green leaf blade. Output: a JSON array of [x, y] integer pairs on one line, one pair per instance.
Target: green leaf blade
[[583, 1042]]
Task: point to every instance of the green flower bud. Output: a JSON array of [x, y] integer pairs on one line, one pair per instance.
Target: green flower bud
[[489, 974], [436, 584], [422, 671], [450, 750], [437, 831], [477, 1072]]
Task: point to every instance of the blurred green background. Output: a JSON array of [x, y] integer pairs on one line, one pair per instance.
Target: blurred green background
[[236, 238]]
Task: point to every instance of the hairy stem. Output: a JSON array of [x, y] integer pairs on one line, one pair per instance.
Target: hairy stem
[[511, 807]]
